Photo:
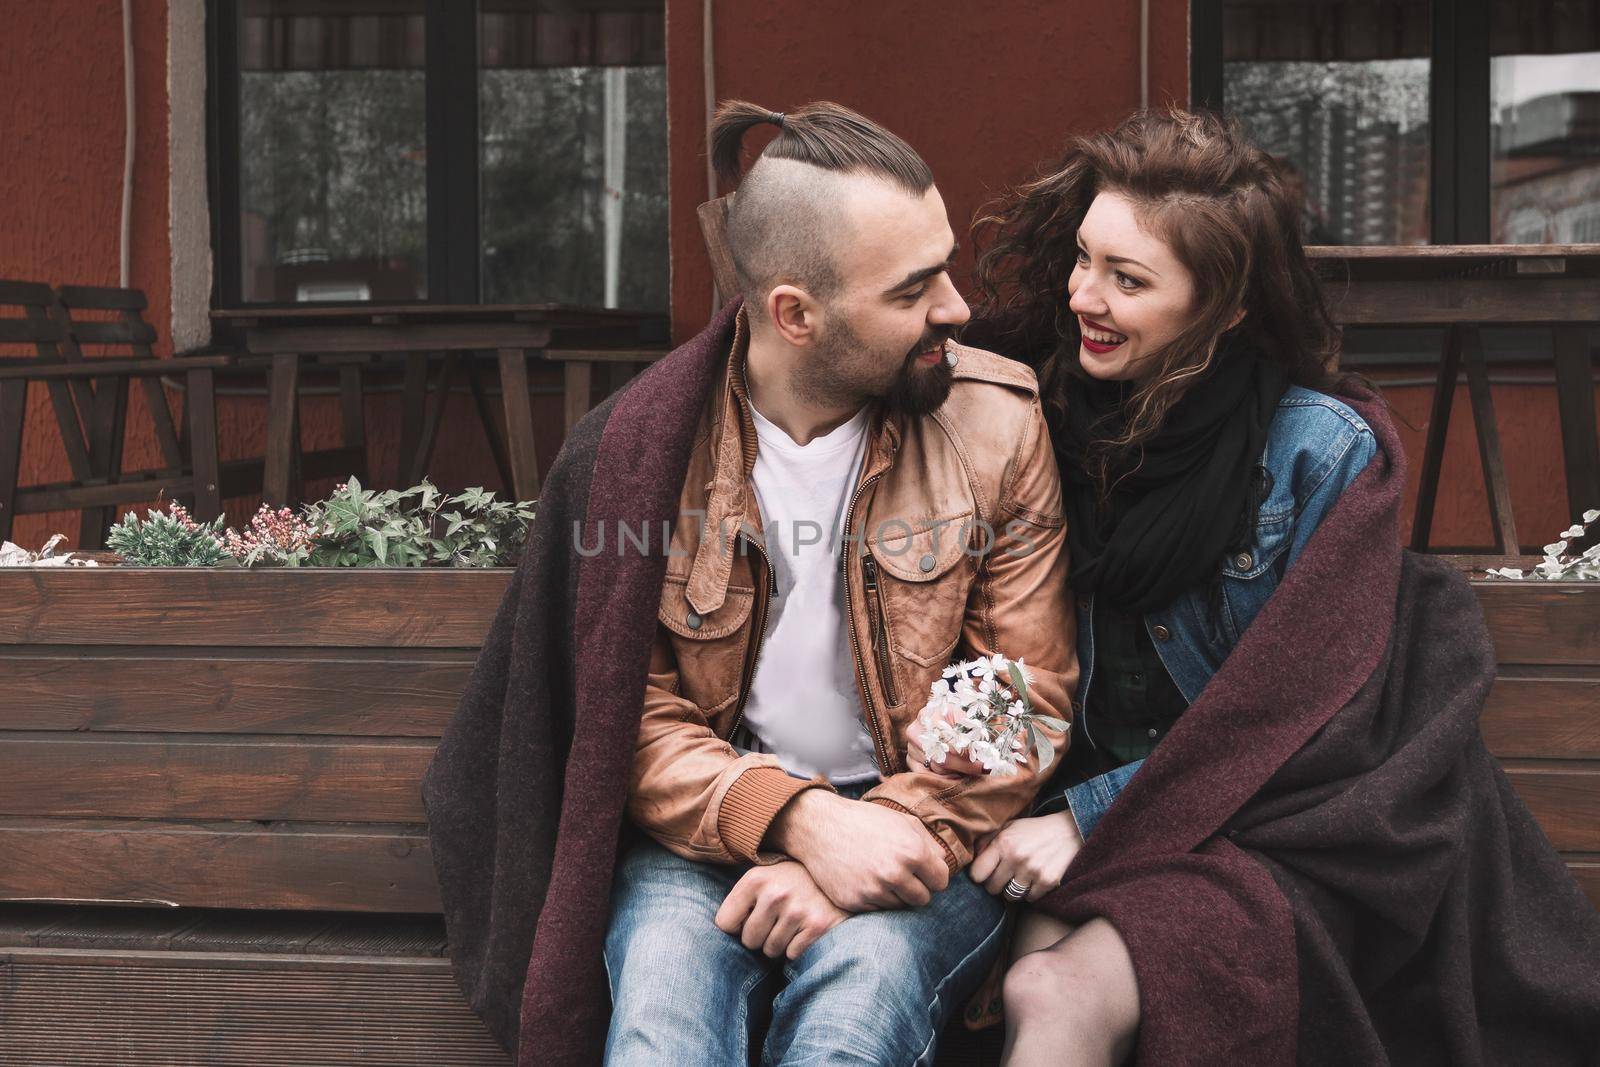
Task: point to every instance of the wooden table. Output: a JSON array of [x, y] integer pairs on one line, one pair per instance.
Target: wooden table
[[348, 337], [1464, 287]]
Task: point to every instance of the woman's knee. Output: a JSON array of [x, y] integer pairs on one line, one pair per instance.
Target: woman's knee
[[1084, 982], [1036, 987]]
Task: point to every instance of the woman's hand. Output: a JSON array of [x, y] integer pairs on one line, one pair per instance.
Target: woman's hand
[[954, 764], [1035, 852]]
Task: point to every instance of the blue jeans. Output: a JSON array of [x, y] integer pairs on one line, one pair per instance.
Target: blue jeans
[[876, 989]]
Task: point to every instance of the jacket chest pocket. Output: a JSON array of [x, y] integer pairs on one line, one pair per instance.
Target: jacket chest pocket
[[924, 572], [710, 648], [1250, 576]]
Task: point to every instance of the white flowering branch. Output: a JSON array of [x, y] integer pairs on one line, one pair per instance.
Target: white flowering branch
[[273, 537], [1557, 564], [980, 709]]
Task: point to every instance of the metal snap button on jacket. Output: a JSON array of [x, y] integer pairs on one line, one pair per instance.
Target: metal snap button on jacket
[[1161, 633], [927, 563], [1243, 561], [694, 620]]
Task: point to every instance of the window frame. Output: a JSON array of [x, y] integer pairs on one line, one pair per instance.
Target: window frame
[[451, 101], [1458, 109], [1460, 189]]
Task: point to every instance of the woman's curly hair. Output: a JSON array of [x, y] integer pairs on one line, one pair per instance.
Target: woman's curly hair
[[1229, 212]]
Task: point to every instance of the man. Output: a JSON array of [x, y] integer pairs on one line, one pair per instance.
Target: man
[[865, 502]]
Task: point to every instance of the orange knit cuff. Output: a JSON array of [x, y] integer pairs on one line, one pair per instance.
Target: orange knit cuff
[[751, 803]]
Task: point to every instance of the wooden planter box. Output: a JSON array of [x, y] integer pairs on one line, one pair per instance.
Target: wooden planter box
[[248, 745], [228, 738], [1542, 719], [256, 739]]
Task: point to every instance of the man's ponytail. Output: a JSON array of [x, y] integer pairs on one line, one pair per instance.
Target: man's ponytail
[[733, 120], [823, 134]]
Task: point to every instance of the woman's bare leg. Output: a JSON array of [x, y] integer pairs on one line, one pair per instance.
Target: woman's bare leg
[[1036, 930], [1072, 1001]]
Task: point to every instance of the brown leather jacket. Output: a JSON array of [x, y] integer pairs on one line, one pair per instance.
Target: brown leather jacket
[[919, 593]]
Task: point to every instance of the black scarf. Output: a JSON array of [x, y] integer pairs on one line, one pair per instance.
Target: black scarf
[[1189, 495]]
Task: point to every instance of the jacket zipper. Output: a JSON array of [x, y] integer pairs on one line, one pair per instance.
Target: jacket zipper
[[754, 652], [880, 627], [880, 747]]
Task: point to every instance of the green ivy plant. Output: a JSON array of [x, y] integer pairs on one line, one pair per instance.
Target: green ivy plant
[[416, 527], [1563, 560], [358, 527], [478, 530]]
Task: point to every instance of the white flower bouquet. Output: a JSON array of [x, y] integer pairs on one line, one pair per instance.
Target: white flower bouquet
[[980, 709]]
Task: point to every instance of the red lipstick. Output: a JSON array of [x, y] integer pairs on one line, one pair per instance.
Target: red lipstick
[[1097, 347]]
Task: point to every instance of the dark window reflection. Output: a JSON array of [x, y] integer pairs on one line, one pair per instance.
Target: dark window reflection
[[332, 150], [574, 152], [1544, 83], [1339, 90]]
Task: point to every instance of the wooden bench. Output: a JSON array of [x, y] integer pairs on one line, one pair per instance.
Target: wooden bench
[[1542, 718], [240, 753]]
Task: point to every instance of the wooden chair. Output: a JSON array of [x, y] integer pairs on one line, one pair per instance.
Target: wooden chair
[[89, 398]]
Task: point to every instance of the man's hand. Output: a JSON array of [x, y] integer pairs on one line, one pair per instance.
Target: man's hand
[[779, 910], [864, 856], [1035, 852]]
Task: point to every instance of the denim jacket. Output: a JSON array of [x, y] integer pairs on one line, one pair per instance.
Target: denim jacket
[[1316, 446]]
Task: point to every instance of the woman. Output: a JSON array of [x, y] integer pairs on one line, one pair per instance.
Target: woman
[[1155, 275]]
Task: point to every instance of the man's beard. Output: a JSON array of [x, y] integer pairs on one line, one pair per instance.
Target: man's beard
[[918, 389], [914, 389]]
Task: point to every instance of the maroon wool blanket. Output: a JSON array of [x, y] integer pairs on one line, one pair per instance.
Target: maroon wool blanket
[[1321, 863], [1319, 860]]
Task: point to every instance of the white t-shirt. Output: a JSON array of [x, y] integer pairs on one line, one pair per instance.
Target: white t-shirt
[[804, 706]]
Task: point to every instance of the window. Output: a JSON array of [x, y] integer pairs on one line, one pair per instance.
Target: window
[[332, 153], [574, 155], [512, 151], [1462, 122], [1340, 92], [1544, 85], [1581, 224]]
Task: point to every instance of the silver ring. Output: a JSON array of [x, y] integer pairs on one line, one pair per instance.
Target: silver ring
[[1015, 890]]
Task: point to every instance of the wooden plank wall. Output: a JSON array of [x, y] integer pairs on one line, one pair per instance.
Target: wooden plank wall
[[187, 986], [256, 740], [229, 739], [1542, 719]]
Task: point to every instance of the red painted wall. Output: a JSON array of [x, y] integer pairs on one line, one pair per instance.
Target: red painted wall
[[61, 124], [1530, 436], [984, 91]]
